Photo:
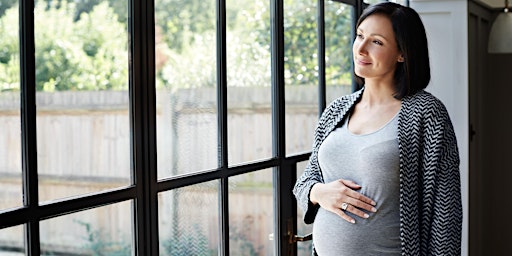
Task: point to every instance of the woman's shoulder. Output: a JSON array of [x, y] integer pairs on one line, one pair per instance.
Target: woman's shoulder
[[338, 108], [424, 99], [345, 100], [425, 103]]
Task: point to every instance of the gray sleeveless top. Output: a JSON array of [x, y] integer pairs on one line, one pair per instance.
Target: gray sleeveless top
[[372, 161]]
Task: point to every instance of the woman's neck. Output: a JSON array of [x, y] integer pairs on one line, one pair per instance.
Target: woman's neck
[[378, 94]]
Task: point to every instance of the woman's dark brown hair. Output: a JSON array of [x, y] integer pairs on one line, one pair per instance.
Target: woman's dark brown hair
[[413, 74]]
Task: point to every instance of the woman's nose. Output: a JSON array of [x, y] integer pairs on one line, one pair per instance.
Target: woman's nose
[[361, 47]]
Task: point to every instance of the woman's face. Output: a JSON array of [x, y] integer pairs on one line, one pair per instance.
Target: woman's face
[[375, 51]]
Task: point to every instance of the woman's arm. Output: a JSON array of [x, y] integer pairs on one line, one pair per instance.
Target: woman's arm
[[442, 204]]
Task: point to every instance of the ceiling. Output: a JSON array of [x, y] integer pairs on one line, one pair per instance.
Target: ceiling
[[494, 3]]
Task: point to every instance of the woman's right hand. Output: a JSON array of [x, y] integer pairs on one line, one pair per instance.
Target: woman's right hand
[[331, 196]]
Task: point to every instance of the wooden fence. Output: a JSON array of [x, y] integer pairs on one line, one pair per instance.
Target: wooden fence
[[83, 145]]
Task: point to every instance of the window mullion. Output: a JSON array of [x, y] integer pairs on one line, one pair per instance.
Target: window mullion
[[321, 56], [222, 123], [281, 213], [143, 125], [28, 126]]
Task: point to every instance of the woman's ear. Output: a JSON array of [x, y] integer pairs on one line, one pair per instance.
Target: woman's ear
[[401, 58]]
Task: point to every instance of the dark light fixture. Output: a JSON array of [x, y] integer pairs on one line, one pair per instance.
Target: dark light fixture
[[500, 38]]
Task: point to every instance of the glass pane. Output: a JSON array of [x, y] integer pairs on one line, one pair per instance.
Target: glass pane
[[186, 82], [301, 74], [303, 248], [248, 75], [189, 221], [251, 214], [12, 241], [10, 120], [338, 49], [376, 1], [101, 231], [402, 2], [83, 121]]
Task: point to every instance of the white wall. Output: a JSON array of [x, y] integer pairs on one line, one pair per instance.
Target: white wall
[[447, 32]]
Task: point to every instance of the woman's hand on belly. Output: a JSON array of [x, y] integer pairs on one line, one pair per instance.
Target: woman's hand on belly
[[335, 195]]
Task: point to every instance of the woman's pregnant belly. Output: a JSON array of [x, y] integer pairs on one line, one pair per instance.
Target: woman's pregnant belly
[[377, 235]]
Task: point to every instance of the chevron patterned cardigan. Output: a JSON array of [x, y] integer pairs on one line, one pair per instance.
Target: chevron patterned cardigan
[[430, 195]]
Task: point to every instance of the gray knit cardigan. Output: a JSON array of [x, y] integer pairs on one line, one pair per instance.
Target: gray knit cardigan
[[430, 196]]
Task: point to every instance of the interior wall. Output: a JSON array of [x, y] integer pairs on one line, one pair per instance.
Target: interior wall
[[446, 24]]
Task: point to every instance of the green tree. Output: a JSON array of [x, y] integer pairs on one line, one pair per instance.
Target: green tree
[[5, 5], [9, 54], [191, 50], [184, 22], [87, 54], [301, 42], [86, 6], [90, 54], [338, 43]]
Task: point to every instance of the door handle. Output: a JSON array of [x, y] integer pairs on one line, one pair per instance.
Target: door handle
[[292, 238], [296, 238]]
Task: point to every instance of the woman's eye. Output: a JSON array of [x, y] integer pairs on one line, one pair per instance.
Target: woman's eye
[[359, 36], [377, 42]]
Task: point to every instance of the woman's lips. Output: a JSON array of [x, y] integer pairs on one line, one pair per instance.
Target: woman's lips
[[363, 62]]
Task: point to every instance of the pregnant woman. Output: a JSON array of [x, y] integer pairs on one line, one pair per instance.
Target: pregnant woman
[[383, 177]]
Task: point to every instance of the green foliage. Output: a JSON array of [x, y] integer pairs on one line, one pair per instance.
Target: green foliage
[[99, 243], [301, 42], [9, 56], [338, 43], [5, 5], [87, 54], [90, 54], [248, 59], [182, 20], [83, 45], [191, 48]]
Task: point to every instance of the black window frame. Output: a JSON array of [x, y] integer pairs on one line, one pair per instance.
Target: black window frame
[[146, 186]]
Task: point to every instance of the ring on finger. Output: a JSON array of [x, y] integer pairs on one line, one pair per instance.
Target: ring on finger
[[344, 206]]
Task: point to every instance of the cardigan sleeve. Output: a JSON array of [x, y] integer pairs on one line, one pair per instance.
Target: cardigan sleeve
[[442, 204], [310, 177]]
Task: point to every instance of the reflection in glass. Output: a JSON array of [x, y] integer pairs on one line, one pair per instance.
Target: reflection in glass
[[101, 231], [251, 214], [189, 220], [248, 80], [83, 127], [12, 241], [10, 120], [301, 74], [186, 80]]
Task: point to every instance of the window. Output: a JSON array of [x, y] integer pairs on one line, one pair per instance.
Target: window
[[10, 140], [162, 128]]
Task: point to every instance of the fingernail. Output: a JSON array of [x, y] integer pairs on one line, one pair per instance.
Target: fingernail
[[366, 216], [374, 203], [353, 221], [374, 209]]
